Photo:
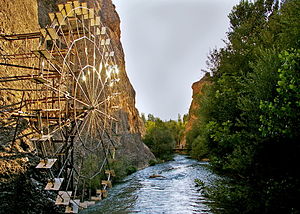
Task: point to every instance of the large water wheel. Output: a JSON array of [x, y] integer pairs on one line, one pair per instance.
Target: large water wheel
[[70, 97]]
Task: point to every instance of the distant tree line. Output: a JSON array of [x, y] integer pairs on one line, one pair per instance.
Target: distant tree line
[[162, 136], [249, 116]]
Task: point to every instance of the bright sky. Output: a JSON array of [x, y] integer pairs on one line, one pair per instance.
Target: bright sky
[[166, 43]]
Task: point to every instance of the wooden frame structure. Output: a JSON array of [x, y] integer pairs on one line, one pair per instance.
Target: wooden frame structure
[[70, 96]]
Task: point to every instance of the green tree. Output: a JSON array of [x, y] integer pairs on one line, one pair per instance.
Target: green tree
[[249, 116], [160, 140]]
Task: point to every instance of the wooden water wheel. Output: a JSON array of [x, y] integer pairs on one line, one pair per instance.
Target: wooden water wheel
[[70, 96]]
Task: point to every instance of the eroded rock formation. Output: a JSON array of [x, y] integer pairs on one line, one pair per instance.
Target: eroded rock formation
[[17, 176], [192, 117]]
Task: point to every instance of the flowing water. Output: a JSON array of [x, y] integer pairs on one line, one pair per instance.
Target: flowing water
[[174, 193]]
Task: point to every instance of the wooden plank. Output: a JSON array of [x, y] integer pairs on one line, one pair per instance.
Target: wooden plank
[[103, 30], [90, 203], [92, 22], [61, 7], [52, 33], [106, 183], [42, 138], [77, 8], [63, 198], [83, 205], [97, 21], [69, 10], [85, 10], [96, 198], [53, 19], [54, 184], [45, 34], [107, 42], [110, 172], [104, 193], [98, 32], [46, 163], [73, 207], [40, 80], [91, 13], [42, 53], [60, 18]]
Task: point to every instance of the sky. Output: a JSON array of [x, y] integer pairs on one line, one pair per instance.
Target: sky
[[166, 44]]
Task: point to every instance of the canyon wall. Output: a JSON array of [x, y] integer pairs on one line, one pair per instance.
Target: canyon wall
[[17, 176], [193, 116]]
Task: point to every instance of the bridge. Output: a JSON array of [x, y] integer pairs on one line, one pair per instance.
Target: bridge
[[181, 150]]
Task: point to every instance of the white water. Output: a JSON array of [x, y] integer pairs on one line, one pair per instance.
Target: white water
[[174, 194]]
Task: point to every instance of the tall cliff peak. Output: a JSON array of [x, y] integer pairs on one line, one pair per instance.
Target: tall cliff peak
[[197, 88]]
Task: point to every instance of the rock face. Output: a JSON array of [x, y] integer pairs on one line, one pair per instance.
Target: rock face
[[197, 90], [16, 161]]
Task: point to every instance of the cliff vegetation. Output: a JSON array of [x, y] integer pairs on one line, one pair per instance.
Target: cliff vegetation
[[248, 117]]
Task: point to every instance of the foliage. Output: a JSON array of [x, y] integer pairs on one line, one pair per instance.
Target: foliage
[[249, 119], [153, 162], [286, 104], [122, 168], [130, 170], [162, 136]]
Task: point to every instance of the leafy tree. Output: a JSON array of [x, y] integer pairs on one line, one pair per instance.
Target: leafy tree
[[159, 139], [249, 117], [162, 136]]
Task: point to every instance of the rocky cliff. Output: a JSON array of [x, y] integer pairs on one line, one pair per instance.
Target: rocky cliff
[[192, 116], [18, 181]]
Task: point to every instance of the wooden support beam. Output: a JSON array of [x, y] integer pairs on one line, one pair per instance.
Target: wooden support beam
[[40, 80], [22, 66], [22, 36], [45, 99], [35, 117]]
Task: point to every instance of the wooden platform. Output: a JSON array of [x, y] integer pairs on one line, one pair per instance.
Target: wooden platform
[[46, 163], [42, 138], [96, 198], [104, 193], [73, 207], [106, 183], [54, 184], [83, 205], [63, 198], [110, 172]]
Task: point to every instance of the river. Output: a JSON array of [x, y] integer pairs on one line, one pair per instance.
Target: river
[[175, 193]]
